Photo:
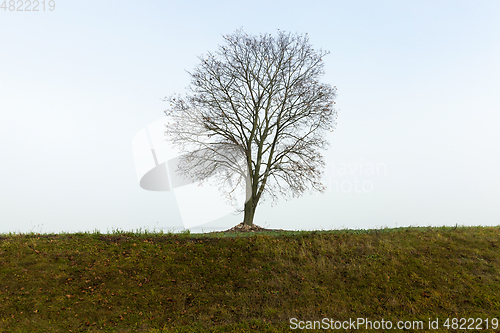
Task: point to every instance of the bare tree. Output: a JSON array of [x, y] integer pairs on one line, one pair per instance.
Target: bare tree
[[256, 115]]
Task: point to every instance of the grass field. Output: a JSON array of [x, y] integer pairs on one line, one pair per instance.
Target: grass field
[[155, 282]]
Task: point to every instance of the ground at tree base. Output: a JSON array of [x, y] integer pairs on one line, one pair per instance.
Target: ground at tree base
[[246, 228]]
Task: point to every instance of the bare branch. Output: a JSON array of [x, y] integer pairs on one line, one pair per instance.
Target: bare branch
[[256, 117]]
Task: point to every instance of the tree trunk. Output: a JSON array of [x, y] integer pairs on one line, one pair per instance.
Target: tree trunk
[[249, 212]]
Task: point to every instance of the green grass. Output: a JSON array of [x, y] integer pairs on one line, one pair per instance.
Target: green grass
[[155, 282]]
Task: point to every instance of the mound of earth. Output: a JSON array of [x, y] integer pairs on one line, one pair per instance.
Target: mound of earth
[[246, 228]]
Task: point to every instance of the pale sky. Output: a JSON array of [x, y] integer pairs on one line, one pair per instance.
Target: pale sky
[[417, 141]]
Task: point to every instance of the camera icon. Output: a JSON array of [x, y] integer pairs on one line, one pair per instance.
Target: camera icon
[[156, 164]]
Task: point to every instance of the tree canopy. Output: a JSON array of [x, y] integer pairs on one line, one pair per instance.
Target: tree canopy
[[255, 115]]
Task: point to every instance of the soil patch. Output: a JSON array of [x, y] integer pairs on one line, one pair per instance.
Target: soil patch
[[246, 228]]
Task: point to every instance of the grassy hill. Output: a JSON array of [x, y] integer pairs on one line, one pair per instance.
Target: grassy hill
[[154, 282]]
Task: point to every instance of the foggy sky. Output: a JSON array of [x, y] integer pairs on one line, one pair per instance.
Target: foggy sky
[[417, 141]]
